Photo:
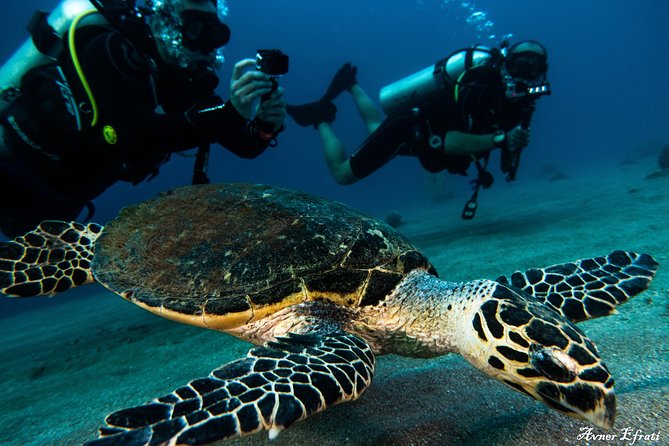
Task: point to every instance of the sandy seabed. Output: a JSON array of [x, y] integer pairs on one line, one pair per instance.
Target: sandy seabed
[[64, 367]]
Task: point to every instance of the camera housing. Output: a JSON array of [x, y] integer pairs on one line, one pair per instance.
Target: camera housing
[[516, 89], [272, 62]]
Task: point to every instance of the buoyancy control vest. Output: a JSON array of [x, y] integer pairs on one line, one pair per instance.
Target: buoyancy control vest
[[50, 110]]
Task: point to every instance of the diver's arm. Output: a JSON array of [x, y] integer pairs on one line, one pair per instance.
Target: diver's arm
[[221, 123], [460, 143], [245, 138], [476, 118], [232, 124], [224, 125], [248, 143], [217, 122]]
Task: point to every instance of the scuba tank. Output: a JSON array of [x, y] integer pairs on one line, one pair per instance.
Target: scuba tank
[[421, 87], [29, 56]]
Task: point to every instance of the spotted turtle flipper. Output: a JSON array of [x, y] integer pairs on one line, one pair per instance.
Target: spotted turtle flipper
[[273, 387], [52, 258], [588, 288]]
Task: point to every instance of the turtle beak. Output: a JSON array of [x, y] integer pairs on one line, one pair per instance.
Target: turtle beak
[[565, 385], [572, 380], [582, 401], [556, 380]]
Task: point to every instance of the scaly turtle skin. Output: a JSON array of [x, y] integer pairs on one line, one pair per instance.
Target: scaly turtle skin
[[321, 289]]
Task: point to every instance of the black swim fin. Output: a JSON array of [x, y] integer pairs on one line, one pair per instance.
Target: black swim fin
[[343, 80], [313, 113]]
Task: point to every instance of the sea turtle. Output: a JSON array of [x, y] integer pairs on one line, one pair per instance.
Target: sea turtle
[[322, 289]]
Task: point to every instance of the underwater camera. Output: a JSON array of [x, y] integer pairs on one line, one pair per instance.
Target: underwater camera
[[516, 89], [272, 62]]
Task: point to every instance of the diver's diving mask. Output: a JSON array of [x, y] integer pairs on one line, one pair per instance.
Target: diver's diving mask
[[526, 60], [203, 31], [526, 65], [188, 34]]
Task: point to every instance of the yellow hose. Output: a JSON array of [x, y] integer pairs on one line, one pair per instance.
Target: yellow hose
[[77, 65], [456, 93]]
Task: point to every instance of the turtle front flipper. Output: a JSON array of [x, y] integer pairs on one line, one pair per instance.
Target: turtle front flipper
[[273, 387], [52, 258], [587, 288]]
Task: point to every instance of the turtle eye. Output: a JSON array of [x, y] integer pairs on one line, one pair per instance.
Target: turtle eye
[[552, 363]]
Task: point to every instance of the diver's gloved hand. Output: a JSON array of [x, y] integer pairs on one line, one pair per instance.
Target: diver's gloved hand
[[272, 111], [344, 79], [246, 87], [518, 138]]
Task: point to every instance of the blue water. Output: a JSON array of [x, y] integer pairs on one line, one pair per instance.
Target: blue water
[[607, 66]]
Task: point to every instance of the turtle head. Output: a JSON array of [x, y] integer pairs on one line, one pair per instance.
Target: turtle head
[[534, 350]]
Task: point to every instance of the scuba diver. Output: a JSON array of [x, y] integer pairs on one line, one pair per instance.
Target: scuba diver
[[107, 94], [448, 115]]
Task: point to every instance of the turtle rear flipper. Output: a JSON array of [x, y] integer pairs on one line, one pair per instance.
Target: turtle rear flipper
[[273, 387], [52, 258], [587, 288]]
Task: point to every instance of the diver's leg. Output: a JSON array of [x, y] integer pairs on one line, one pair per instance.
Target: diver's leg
[[366, 107], [379, 148], [335, 155]]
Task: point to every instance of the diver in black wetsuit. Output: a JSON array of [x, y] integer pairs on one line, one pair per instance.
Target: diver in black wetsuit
[[449, 115], [117, 103]]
